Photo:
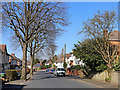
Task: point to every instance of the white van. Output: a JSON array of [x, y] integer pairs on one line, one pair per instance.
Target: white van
[[60, 71]]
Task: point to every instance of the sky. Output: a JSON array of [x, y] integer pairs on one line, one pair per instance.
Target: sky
[[78, 12]]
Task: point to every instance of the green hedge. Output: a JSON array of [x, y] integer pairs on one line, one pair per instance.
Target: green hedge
[[12, 74], [76, 67], [45, 67], [2, 75]]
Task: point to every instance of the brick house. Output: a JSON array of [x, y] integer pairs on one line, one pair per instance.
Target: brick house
[[14, 61], [114, 38], [4, 58]]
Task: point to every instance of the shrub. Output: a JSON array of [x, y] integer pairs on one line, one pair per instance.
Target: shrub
[[64, 64], [77, 67], [46, 66], [19, 72], [107, 79], [2, 75], [117, 65], [11, 75]]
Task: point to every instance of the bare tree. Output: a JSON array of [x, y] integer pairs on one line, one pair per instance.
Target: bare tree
[[96, 29], [27, 19], [50, 50], [41, 42]]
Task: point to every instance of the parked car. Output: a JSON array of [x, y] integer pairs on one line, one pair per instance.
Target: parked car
[[60, 71], [52, 71], [47, 70]]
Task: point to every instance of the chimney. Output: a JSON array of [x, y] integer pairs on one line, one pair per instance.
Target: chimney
[[105, 33], [12, 54]]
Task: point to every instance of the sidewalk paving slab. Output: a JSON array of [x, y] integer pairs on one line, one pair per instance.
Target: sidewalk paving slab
[[93, 82], [20, 82]]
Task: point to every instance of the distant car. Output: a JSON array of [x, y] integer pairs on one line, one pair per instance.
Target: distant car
[[52, 71], [59, 71], [47, 70]]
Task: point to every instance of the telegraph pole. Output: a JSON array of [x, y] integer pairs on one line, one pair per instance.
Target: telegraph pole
[[64, 54]]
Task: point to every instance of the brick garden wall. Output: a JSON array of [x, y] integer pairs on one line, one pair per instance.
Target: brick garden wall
[[115, 77]]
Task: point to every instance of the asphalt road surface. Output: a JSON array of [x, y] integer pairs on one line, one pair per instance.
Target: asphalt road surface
[[43, 79]]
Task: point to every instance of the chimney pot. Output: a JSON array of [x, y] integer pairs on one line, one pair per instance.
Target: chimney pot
[[12, 54]]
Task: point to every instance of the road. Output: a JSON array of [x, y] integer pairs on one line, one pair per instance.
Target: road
[[45, 80]]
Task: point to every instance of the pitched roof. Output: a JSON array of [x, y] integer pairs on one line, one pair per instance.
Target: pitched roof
[[68, 55], [14, 57], [60, 60], [114, 35]]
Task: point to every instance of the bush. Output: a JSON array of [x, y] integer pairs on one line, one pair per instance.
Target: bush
[[19, 72], [45, 67], [11, 75], [117, 65], [77, 67], [64, 64], [2, 75], [107, 79]]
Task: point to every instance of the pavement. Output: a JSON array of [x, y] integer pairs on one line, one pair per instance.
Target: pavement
[[16, 83], [96, 83], [41, 79]]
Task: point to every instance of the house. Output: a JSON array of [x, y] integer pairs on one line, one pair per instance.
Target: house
[[72, 60], [48, 62], [59, 62], [114, 38], [14, 61], [4, 58]]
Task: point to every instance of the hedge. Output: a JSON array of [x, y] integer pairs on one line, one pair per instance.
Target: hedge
[[45, 67], [12, 74], [75, 67]]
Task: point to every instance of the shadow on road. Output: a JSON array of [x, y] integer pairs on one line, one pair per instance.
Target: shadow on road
[[12, 87]]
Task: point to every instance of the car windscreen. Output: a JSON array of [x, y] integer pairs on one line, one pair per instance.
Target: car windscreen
[[60, 69]]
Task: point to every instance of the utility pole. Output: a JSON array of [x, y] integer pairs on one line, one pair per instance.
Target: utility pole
[[64, 54]]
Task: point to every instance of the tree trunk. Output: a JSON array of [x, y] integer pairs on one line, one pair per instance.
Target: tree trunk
[[24, 63], [31, 70], [109, 70]]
